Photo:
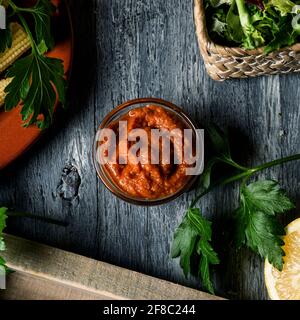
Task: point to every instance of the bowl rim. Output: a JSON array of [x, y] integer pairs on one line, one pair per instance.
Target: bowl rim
[[108, 183]]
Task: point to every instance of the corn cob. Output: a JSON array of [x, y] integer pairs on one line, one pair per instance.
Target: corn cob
[[20, 45], [3, 84]]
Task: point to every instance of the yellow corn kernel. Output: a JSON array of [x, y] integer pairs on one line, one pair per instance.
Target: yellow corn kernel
[[3, 84], [20, 45]]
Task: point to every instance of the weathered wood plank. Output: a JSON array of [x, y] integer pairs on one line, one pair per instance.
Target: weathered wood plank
[[23, 286], [42, 270]]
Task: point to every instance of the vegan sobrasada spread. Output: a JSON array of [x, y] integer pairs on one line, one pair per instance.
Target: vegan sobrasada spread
[[143, 164]]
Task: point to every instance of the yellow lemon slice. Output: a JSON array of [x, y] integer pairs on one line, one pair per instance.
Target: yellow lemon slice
[[285, 285]]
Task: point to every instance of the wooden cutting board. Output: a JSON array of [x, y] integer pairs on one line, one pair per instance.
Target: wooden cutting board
[[45, 273]]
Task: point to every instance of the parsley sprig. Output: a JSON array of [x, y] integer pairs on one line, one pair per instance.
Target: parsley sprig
[[37, 79], [193, 237], [257, 226], [6, 213], [5, 39], [3, 218]]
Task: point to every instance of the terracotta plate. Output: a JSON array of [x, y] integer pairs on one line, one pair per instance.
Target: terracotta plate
[[14, 139]]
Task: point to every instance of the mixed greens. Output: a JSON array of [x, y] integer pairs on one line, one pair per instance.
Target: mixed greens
[[250, 24]]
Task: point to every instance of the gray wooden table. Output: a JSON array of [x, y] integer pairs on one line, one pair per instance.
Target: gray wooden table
[[140, 48]]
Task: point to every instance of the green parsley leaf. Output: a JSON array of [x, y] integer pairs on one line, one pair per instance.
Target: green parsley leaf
[[266, 196], [5, 39], [200, 224], [220, 145], [205, 180], [183, 245], [208, 256], [3, 218], [257, 226], [3, 267], [35, 79], [42, 13], [205, 248], [204, 273], [2, 264], [219, 140], [192, 238]]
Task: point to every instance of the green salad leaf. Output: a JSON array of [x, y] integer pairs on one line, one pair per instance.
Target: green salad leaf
[[285, 7], [250, 24], [252, 36]]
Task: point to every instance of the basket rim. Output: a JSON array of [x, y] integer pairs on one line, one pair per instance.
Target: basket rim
[[208, 46]]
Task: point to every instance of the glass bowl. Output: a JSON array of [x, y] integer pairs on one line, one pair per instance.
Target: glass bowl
[[114, 116]]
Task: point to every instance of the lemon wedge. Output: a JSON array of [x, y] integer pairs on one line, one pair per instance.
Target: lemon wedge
[[285, 285]]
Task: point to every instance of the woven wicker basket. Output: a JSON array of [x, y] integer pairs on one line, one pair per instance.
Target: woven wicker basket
[[226, 62]]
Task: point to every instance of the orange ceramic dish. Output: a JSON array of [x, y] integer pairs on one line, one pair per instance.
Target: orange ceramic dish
[[14, 139]]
